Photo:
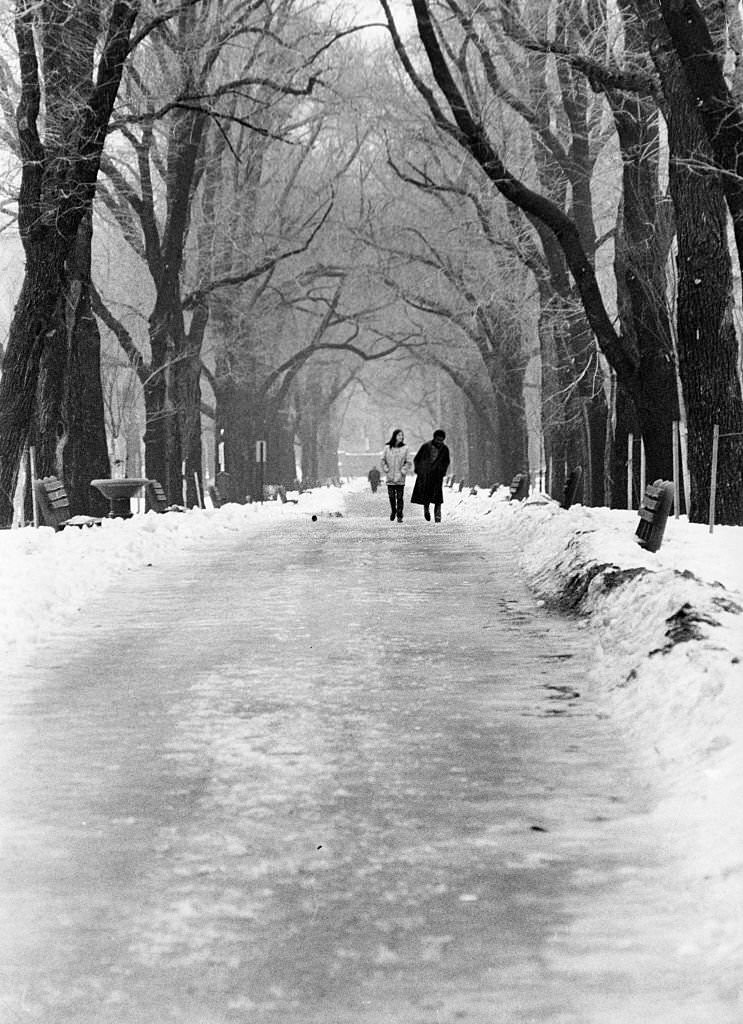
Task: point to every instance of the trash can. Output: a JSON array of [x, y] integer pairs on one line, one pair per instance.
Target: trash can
[[654, 510]]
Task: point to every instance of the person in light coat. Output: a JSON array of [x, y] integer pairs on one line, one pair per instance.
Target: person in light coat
[[396, 464]]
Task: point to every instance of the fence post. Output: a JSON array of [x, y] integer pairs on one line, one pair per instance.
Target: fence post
[[676, 489], [630, 447], [713, 477], [34, 502], [643, 472]]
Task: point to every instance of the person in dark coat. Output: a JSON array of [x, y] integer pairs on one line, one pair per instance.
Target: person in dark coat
[[374, 477], [431, 463]]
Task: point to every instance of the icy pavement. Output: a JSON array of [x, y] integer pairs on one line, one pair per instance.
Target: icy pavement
[[338, 771]]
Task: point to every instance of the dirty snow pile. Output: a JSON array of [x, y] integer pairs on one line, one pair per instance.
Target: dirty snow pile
[[669, 635]]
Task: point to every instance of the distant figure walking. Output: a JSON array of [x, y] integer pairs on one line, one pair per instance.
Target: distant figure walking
[[431, 463], [396, 463], [374, 477]]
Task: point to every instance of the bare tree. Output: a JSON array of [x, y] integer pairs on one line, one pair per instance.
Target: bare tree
[[639, 362], [60, 152]]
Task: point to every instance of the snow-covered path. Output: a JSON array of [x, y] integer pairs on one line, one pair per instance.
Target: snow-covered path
[[339, 771]]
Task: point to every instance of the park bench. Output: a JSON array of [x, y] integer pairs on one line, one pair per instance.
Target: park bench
[[54, 505], [158, 499], [519, 487]]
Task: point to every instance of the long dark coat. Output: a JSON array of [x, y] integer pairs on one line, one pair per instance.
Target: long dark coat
[[430, 466]]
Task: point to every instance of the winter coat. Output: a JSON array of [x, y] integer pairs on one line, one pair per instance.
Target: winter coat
[[431, 465], [396, 463]]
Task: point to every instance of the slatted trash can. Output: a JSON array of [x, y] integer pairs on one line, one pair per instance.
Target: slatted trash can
[[654, 510]]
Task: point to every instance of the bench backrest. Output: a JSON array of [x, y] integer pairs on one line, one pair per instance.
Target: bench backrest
[[156, 494], [54, 505], [519, 487]]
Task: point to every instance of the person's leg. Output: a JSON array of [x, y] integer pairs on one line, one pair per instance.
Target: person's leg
[[393, 500], [437, 513], [426, 513], [400, 493]]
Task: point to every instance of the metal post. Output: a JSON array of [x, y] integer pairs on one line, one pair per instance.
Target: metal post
[[643, 471], [630, 447], [198, 490], [685, 465], [713, 479], [676, 481], [34, 502]]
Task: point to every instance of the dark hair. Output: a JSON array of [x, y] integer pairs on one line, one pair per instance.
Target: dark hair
[[439, 433], [392, 443]]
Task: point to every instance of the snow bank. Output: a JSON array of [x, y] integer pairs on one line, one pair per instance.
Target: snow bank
[[669, 634], [668, 629], [48, 578]]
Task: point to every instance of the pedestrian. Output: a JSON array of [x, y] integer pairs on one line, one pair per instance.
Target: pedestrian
[[374, 477], [396, 463], [431, 463]]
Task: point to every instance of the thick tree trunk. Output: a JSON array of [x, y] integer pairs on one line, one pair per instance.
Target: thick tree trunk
[[35, 320], [708, 352], [234, 405], [57, 185], [188, 390], [161, 439], [507, 369], [70, 433], [85, 455], [706, 341], [625, 423], [484, 457], [242, 419]]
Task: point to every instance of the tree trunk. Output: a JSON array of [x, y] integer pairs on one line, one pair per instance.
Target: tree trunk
[[55, 47], [188, 390], [648, 374], [35, 320], [85, 455], [706, 342], [234, 404], [161, 439]]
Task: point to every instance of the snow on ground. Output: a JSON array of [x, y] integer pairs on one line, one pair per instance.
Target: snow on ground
[[48, 578], [668, 629], [669, 634]]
